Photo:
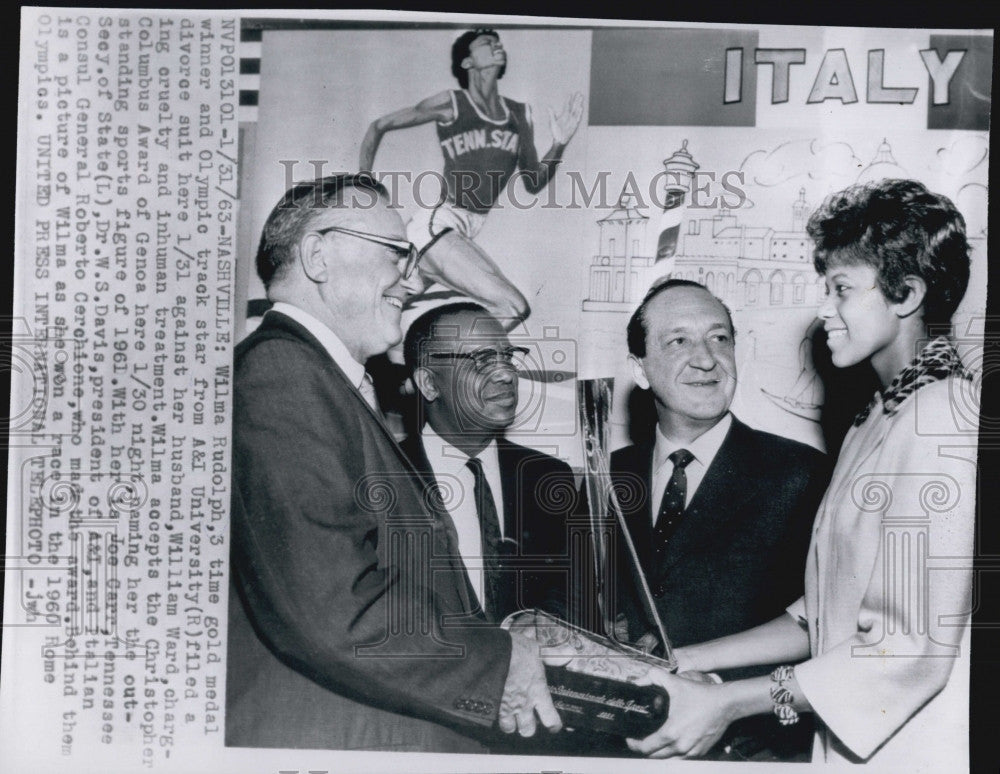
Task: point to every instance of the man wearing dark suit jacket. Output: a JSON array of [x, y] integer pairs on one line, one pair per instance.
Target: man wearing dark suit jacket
[[465, 371], [720, 514], [351, 624]]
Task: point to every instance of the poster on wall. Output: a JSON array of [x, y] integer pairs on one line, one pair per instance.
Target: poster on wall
[[341, 340]]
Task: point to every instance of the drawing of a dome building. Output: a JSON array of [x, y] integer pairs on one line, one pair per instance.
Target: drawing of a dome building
[[883, 166]]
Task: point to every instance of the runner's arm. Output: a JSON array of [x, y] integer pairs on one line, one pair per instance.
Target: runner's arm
[[437, 108], [535, 173]]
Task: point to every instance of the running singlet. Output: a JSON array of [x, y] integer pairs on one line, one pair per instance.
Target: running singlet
[[481, 154]]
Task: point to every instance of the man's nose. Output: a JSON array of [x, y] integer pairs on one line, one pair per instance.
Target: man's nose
[[413, 284], [503, 371], [703, 357], [826, 309]]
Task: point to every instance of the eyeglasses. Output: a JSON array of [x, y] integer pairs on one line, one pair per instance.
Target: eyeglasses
[[484, 359], [402, 247]]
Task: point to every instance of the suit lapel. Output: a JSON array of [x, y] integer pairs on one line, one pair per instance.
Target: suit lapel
[[632, 479], [635, 480], [414, 463], [277, 321], [507, 459], [725, 488], [413, 449]]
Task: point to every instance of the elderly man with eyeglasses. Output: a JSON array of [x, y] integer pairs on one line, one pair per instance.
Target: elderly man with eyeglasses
[[352, 620], [509, 503]]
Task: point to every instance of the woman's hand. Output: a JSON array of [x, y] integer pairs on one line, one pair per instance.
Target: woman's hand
[[700, 677], [686, 661], [699, 715]]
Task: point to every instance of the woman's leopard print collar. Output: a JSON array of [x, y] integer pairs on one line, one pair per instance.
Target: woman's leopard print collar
[[938, 360]]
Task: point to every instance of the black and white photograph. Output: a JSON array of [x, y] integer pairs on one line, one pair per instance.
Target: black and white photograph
[[410, 391]]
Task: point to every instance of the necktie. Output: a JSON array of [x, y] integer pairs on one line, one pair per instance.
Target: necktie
[[672, 505], [367, 390], [489, 532]]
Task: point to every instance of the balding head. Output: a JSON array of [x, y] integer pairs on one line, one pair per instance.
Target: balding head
[[336, 249]]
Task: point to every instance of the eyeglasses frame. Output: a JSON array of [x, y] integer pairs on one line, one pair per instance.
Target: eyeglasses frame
[[508, 353], [413, 255]]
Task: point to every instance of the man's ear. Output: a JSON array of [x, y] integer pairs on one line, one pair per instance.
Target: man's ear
[[638, 372], [916, 292], [467, 63], [426, 384], [314, 257]]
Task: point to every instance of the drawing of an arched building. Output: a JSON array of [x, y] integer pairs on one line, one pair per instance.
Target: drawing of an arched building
[[747, 266]]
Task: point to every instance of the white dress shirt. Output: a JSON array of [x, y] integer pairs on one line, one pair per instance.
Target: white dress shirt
[[704, 448], [457, 486]]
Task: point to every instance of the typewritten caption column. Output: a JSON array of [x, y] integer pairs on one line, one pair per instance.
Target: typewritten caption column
[[117, 545]]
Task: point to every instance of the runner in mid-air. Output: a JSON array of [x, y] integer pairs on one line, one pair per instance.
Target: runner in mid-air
[[485, 139]]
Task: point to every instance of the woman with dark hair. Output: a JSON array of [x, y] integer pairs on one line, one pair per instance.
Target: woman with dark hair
[[881, 640]]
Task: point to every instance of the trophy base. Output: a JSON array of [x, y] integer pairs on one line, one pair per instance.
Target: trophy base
[[606, 705]]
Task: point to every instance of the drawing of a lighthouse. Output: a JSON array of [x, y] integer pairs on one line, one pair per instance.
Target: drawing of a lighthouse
[[678, 174], [622, 270]]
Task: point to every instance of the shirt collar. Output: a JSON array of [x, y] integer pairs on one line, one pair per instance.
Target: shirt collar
[[354, 370], [937, 360], [444, 457], [704, 447]]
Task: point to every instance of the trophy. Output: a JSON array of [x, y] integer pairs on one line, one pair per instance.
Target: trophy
[[606, 519], [592, 678]]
